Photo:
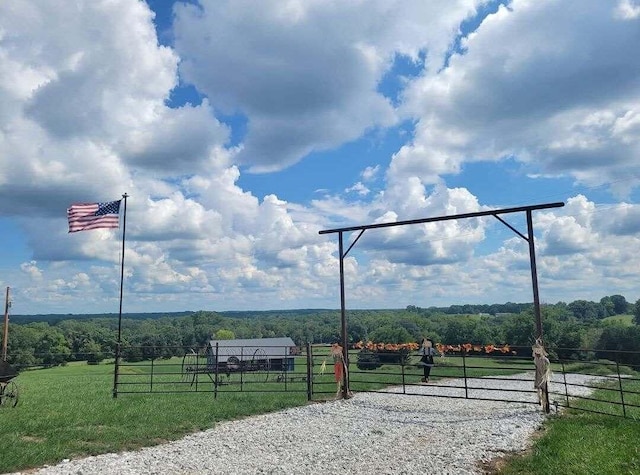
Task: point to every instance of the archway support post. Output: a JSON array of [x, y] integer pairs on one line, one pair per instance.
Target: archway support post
[[343, 322], [495, 213]]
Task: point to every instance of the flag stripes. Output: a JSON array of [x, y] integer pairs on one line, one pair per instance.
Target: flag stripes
[[86, 216]]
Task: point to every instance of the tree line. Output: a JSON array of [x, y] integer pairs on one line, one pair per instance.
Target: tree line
[[579, 324]]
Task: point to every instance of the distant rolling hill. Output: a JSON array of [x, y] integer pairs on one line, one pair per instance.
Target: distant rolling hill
[[54, 318], [57, 317]]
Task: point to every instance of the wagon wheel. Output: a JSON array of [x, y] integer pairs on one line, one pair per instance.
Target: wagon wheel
[[9, 394], [190, 367], [233, 364], [260, 364]]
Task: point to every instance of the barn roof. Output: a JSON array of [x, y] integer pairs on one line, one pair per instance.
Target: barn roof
[[246, 349]]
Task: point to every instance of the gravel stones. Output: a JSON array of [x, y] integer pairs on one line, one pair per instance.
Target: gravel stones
[[381, 432]]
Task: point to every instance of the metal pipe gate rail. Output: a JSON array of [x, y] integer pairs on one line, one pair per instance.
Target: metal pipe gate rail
[[614, 386]]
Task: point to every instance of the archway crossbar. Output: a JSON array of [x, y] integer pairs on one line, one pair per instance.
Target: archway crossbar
[[495, 213]]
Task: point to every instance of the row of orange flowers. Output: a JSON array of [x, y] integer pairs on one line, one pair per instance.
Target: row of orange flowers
[[468, 347], [369, 345], [440, 348]]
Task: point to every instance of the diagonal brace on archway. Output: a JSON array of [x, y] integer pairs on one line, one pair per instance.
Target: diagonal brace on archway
[[495, 213]]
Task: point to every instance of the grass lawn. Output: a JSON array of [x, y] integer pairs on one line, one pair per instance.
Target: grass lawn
[[69, 411], [585, 443], [66, 412]]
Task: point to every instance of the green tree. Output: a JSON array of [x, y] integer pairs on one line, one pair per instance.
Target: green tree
[[636, 312], [559, 311], [467, 330], [52, 348], [357, 332], [483, 333], [21, 344], [92, 352], [224, 334], [586, 311], [390, 334], [621, 338], [132, 353], [519, 330], [620, 305], [569, 336], [608, 305]]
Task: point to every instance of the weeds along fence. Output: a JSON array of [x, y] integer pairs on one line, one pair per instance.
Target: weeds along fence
[[599, 381]]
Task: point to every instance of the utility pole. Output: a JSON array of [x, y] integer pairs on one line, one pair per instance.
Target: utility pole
[[5, 337]]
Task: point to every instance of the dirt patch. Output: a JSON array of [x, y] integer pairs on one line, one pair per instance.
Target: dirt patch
[[158, 441], [496, 464], [32, 438]]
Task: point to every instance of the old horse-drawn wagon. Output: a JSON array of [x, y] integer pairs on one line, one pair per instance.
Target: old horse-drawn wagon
[[241, 360], [8, 387]]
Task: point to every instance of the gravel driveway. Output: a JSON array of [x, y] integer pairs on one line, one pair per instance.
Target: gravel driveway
[[381, 433]]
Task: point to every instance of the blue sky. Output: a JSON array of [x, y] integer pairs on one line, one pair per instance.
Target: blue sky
[[241, 129]]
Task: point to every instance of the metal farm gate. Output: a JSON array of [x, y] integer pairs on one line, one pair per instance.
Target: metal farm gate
[[606, 383], [221, 366]]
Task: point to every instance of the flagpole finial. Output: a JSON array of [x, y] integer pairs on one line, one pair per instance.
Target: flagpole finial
[[125, 195]]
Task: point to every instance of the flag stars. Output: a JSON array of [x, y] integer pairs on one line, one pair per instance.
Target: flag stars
[[112, 207]]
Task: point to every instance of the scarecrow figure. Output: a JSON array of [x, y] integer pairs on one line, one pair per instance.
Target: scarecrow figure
[[339, 368], [543, 373], [426, 352]]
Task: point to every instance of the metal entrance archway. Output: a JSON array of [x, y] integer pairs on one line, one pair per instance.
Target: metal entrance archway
[[495, 213]]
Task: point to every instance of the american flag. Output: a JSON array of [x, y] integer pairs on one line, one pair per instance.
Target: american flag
[[85, 216]]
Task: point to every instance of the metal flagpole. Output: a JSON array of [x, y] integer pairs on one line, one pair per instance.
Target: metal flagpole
[[5, 338], [118, 342]]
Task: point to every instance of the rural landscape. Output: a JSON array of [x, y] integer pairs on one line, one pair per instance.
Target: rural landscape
[[66, 409], [607, 324], [320, 236]]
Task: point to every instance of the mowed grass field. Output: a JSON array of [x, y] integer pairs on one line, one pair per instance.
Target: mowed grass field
[[69, 411], [626, 320], [586, 443]]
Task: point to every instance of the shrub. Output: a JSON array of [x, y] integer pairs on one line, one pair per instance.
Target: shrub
[[368, 360]]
